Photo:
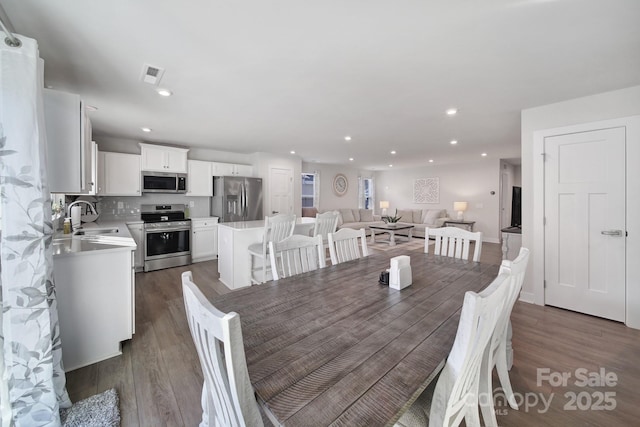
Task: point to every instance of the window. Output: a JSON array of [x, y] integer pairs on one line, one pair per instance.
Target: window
[[366, 193], [309, 190]]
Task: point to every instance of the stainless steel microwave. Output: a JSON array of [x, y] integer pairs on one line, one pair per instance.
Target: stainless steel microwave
[[164, 182]]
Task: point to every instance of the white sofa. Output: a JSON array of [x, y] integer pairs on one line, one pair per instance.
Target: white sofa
[[419, 218]]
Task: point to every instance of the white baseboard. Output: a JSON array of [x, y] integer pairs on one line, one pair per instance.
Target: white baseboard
[[527, 297], [491, 239]]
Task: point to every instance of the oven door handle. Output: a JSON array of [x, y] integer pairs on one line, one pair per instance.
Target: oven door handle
[[164, 230]]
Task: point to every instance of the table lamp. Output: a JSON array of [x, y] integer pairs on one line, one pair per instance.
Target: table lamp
[[384, 205], [460, 207]]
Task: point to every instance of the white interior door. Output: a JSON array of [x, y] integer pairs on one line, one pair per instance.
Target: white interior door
[[585, 222], [505, 197], [280, 190]]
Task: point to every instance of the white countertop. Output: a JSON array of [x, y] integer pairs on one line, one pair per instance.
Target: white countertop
[[250, 225], [70, 245]]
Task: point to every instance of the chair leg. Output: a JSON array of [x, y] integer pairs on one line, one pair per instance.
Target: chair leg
[[207, 419], [485, 391], [503, 374]]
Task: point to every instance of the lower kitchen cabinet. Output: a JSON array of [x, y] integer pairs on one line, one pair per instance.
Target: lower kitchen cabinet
[[137, 232], [204, 241], [96, 304]]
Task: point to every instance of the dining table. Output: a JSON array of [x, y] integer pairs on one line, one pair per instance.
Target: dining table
[[335, 347]]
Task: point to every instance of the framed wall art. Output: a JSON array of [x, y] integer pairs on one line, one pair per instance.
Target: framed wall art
[[426, 190]]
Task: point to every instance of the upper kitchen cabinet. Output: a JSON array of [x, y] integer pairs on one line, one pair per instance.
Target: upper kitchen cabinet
[[159, 158], [118, 174], [199, 180], [71, 152], [230, 169]]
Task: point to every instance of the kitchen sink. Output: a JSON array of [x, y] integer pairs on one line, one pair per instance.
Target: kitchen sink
[[95, 231]]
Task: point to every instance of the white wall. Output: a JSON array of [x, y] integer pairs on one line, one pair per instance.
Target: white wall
[[619, 104], [328, 199], [470, 182]]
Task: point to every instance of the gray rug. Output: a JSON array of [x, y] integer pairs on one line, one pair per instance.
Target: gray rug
[[100, 410]]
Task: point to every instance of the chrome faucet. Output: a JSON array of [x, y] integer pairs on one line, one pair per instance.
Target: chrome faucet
[[77, 202]]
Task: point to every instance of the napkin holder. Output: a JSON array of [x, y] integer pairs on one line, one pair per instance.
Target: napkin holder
[[400, 272]]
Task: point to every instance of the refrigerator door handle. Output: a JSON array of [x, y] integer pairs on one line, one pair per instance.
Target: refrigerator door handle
[[243, 201]]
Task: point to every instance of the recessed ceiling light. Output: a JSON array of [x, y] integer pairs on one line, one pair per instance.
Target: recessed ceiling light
[[164, 92], [484, 154], [393, 151], [91, 108], [292, 152], [430, 160], [452, 111], [351, 159], [146, 129], [347, 138], [390, 166], [453, 142]]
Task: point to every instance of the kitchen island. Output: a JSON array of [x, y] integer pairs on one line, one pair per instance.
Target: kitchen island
[[234, 239], [95, 289]]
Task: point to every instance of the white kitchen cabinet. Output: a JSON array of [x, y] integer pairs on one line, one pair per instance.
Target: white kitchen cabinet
[[199, 180], [69, 144], [118, 174], [136, 229], [163, 159], [204, 242], [95, 296], [231, 169]]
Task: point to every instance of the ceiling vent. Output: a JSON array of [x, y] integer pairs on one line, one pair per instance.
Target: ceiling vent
[[151, 74]]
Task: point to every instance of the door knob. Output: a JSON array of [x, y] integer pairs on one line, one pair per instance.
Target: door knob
[[612, 233]]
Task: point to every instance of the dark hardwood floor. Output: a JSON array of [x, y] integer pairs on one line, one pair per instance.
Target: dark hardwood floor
[[158, 376]]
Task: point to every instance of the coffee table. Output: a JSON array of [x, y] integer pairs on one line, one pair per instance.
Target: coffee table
[[391, 229]]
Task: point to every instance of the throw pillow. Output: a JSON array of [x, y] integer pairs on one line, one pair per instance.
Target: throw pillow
[[406, 214], [356, 214], [417, 216], [431, 215], [347, 215], [366, 215]]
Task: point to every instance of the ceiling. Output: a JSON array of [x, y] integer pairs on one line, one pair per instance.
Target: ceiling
[[255, 76]]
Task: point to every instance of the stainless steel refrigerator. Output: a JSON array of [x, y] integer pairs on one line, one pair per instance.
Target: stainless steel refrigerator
[[237, 198]]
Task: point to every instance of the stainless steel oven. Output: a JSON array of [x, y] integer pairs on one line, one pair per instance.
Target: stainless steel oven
[[167, 237]]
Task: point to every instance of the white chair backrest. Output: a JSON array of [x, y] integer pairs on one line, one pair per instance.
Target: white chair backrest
[[496, 354], [517, 269], [453, 242], [295, 255], [344, 246], [277, 228], [218, 340], [456, 393], [326, 223]]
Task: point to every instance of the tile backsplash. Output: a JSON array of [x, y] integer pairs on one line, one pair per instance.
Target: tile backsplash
[[128, 208]]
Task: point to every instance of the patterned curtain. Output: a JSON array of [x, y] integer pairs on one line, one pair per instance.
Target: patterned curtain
[[33, 376]]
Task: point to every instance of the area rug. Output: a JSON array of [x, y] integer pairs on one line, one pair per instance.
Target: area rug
[[382, 244], [100, 410]]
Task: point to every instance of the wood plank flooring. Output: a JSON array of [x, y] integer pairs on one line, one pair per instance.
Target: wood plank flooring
[[158, 376]]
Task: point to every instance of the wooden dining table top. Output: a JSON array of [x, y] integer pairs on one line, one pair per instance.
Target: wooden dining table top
[[335, 347]]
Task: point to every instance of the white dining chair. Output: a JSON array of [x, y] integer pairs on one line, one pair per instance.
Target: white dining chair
[[227, 396], [496, 354], [326, 223], [296, 255], [456, 393], [344, 246], [453, 242], [276, 228]]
